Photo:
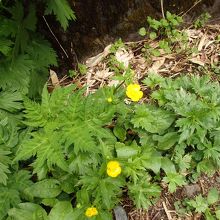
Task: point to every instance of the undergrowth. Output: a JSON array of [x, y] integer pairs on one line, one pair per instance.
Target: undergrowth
[[71, 156], [83, 152]]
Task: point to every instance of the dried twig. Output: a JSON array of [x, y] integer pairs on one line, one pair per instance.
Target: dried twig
[[167, 211], [202, 187], [162, 9], [55, 37], [194, 5]]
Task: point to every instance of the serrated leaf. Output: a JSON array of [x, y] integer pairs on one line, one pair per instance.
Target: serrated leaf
[[62, 210], [152, 119], [10, 101], [174, 180], [119, 132], [144, 193], [48, 188], [199, 204], [29, 211], [217, 213], [142, 31], [151, 160], [166, 141], [167, 165], [62, 11], [124, 151], [5, 46], [4, 165], [213, 196], [10, 195], [153, 35]]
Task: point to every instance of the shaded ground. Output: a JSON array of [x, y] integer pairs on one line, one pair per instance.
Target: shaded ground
[[99, 23]]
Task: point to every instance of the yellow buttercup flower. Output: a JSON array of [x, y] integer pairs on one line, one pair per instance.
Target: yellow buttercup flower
[[90, 212], [109, 99], [113, 168], [134, 92]]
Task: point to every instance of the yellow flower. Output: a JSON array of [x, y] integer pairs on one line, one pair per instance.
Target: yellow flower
[[133, 92], [109, 99], [90, 212], [113, 168]]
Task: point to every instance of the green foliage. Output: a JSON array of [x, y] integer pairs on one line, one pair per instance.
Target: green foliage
[[174, 180], [206, 205], [144, 193], [27, 211], [55, 153], [62, 11], [142, 31], [11, 195], [202, 20], [163, 26], [24, 60], [24, 55], [166, 30], [71, 138]]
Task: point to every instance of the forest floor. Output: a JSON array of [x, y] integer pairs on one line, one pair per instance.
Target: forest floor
[[201, 56]]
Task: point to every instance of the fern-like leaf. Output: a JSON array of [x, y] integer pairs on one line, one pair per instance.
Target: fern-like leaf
[[62, 11], [42, 53], [10, 101], [48, 149], [10, 195], [5, 46], [16, 75], [4, 165]]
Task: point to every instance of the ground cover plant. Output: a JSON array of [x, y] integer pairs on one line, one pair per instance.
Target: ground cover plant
[[75, 154], [84, 151]]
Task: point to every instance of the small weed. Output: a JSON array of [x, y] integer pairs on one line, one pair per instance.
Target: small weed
[[205, 205], [202, 20]]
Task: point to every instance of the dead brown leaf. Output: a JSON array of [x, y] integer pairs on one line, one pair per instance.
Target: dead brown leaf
[[54, 78], [93, 61]]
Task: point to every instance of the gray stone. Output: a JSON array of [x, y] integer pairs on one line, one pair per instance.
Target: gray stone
[[191, 190], [120, 213]]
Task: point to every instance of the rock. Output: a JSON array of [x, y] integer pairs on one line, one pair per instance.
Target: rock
[[191, 190], [120, 213]]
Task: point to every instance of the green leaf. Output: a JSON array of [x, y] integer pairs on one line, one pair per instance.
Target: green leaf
[[29, 211], [153, 35], [62, 11], [213, 196], [119, 132], [48, 188], [166, 141], [208, 215], [4, 165], [183, 161], [62, 210], [5, 46], [217, 213], [142, 31], [144, 193], [174, 180], [10, 101], [152, 119], [167, 165], [49, 202], [10, 195], [151, 160], [47, 146], [124, 151], [153, 80], [199, 204]]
